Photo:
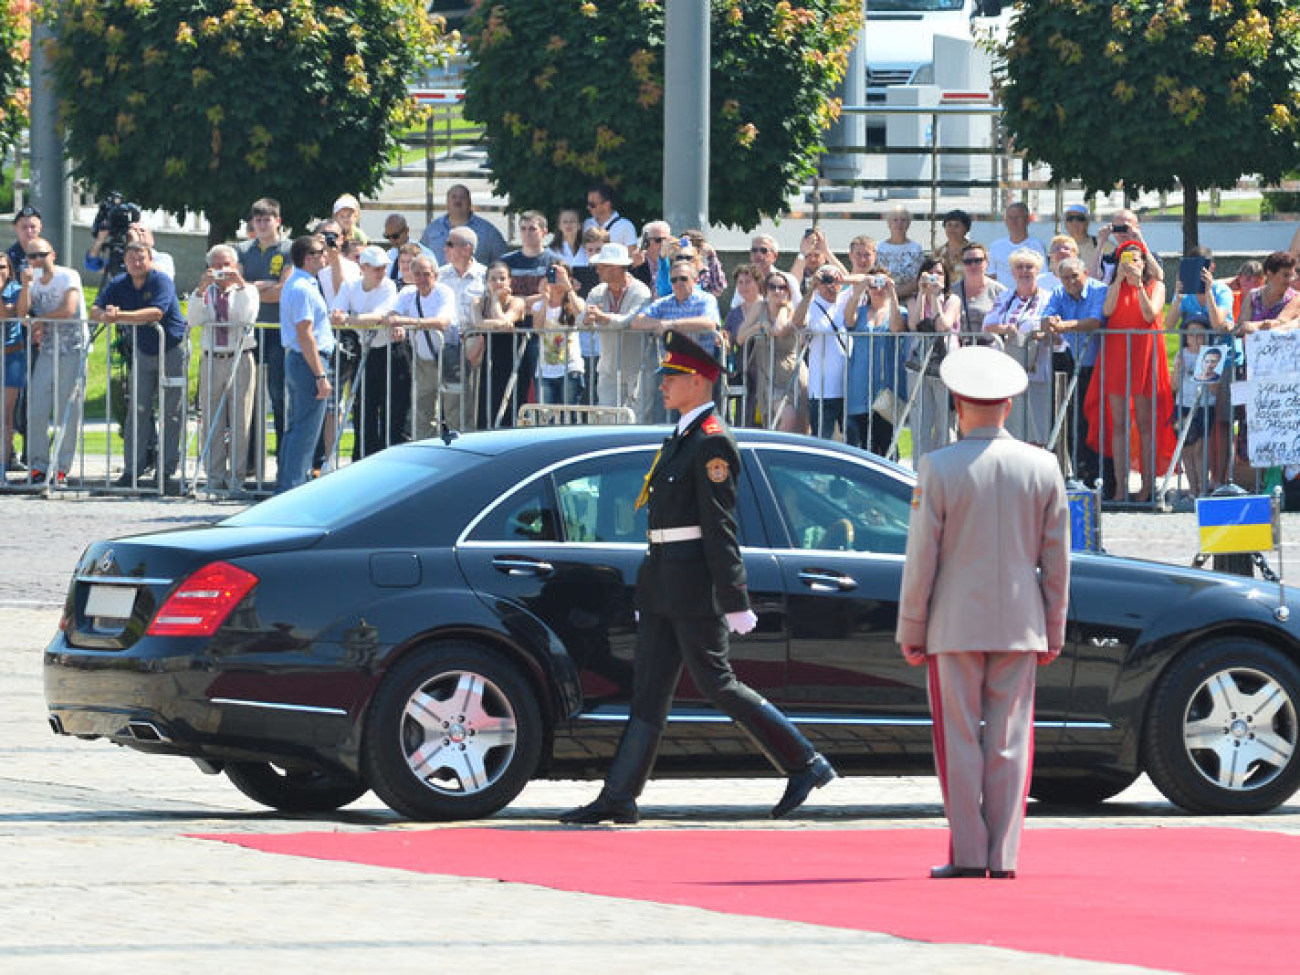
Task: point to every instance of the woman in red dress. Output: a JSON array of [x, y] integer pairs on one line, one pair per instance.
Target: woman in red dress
[[1134, 374]]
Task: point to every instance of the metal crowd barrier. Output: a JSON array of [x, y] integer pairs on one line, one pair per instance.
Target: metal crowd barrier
[[211, 430]]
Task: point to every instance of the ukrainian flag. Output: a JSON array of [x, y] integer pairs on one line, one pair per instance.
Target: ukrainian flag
[[1235, 524]]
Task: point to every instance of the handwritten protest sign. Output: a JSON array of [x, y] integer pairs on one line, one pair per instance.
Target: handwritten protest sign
[[1272, 398]]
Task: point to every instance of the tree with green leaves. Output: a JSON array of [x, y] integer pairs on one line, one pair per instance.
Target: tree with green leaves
[[1155, 94], [571, 93], [15, 56], [205, 105]]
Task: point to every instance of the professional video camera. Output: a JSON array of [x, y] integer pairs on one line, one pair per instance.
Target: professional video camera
[[115, 215]]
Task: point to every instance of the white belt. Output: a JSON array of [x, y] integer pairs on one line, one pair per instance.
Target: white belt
[[661, 536]]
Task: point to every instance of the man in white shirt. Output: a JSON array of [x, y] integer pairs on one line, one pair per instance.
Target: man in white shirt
[[426, 310], [225, 307], [466, 278], [1017, 219], [52, 292], [381, 411], [600, 204], [820, 312], [613, 304]]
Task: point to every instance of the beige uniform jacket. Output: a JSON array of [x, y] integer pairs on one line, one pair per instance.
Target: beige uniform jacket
[[990, 512]]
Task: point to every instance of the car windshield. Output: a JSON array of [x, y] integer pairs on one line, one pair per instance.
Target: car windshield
[[356, 490]]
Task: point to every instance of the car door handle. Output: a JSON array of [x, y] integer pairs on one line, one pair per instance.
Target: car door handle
[[823, 580], [514, 565]]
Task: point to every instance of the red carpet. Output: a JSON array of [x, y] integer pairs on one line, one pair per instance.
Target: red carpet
[[1191, 900]]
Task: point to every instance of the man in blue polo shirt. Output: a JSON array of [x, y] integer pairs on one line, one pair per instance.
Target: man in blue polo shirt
[[1074, 312], [145, 299], [308, 342], [687, 309]]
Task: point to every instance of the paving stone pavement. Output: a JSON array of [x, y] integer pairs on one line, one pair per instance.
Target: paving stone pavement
[[97, 868]]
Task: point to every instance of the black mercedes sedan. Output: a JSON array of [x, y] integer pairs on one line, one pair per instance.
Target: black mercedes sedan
[[443, 622]]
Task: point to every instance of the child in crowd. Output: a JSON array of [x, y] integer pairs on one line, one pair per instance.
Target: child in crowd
[[1196, 397]]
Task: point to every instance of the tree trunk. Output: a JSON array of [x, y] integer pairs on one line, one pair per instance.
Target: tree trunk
[[1191, 233], [221, 230]]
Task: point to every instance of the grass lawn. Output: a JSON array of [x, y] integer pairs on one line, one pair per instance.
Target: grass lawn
[[1248, 208]]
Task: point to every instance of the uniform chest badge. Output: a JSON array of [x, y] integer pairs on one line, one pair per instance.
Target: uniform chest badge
[[718, 470], [916, 496]]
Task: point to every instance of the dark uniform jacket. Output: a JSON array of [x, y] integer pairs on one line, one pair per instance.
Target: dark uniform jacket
[[694, 483]]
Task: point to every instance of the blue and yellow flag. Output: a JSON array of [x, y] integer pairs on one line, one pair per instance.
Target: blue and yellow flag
[[1235, 524]]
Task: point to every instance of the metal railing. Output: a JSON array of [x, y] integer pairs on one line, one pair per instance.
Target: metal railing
[[156, 426]]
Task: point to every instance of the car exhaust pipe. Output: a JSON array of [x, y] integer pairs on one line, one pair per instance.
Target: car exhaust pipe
[[146, 731]]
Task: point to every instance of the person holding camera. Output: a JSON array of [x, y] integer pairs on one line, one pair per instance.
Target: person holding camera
[[1122, 229], [872, 362], [774, 369], [820, 313], [224, 307], [557, 310], [145, 299], [933, 315]]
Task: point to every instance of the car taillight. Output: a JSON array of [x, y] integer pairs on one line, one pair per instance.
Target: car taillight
[[203, 601]]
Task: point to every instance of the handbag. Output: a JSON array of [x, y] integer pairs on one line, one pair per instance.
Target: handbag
[[886, 405], [937, 343]]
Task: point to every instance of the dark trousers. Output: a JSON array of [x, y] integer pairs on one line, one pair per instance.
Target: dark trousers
[[667, 643], [384, 399], [869, 432], [825, 415]]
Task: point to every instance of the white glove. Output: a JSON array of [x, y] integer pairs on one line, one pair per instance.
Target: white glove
[[743, 622]]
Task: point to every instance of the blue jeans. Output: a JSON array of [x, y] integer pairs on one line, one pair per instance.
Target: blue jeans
[[304, 418], [562, 390]]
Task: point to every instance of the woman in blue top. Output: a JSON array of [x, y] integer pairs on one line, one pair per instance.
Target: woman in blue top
[[872, 360], [15, 358]]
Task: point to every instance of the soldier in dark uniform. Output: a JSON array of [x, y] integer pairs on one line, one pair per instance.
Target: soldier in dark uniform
[[691, 590]]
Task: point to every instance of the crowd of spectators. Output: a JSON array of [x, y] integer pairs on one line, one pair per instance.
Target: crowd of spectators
[[460, 329]]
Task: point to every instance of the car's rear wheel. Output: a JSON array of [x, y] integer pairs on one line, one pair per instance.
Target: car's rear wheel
[[1222, 734], [454, 732], [294, 789], [1079, 790]]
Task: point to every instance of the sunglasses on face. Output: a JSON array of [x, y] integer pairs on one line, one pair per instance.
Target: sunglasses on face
[[1075, 218], [759, 250], [973, 260], [680, 278], [31, 255], [777, 286], [317, 252], [397, 236]]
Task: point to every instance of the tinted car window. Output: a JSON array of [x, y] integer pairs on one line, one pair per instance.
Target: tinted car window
[[358, 490], [829, 503], [527, 515], [598, 498]]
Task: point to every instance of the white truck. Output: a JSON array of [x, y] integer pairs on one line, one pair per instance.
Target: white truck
[[900, 37]]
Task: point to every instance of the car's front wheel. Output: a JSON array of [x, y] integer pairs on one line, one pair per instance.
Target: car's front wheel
[[294, 789], [454, 732], [1222, 733]]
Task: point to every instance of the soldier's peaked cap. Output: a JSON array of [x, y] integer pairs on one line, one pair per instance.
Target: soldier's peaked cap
[[980, 373], [684, 356]]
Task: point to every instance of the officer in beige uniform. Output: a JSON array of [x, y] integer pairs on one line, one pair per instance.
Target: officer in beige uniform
[[983, 600], [691, 590]]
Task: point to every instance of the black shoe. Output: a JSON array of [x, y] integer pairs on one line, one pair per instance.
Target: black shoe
[[1002, 874], [605, 807], [817, 773], [173, 487], [950, 872], [127, 480]]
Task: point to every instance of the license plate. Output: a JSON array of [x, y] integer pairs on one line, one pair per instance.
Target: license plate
[[110, 602]]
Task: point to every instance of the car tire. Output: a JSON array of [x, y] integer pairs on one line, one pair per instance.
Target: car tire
[[1079, 790], [453, 732], [1221, 730], [294, 790]]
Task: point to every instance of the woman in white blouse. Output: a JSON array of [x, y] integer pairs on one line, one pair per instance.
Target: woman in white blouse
[[1017, 318]]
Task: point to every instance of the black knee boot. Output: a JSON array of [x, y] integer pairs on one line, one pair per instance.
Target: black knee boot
[[626, 778], [792, 753]]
